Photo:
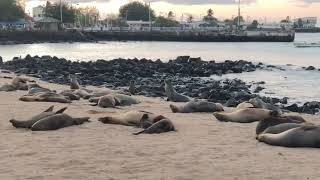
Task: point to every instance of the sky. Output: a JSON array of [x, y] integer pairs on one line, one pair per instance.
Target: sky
[[262, 10]]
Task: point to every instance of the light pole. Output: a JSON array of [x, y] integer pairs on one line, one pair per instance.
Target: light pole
[[61, 11], [150, 21]]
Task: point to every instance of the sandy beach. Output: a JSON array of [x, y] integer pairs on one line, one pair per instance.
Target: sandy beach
[[202, 148]]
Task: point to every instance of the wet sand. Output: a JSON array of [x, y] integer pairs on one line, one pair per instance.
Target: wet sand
[[202, 148]]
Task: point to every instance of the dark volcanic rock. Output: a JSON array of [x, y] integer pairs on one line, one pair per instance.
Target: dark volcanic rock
[[310, 68], [1, 61]]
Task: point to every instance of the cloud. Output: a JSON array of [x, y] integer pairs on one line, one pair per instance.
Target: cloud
[[198, 2], [181, 2], [304, 3]]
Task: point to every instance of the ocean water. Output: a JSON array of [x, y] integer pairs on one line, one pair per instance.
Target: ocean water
[[299, 85]]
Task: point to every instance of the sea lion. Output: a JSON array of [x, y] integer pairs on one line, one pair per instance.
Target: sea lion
[[275, 120], [74, 84], [245, 115], [57, 121], [35, 88], [113, 100], [70, 95], [28, 123], [45, 97], [158, 125], [282, 127], [131, 118], [83, 93], [304, 136], [259, 103], [245, 105], [151, 123], [173, 95], [132, 88], [197, 106], [17, 83]]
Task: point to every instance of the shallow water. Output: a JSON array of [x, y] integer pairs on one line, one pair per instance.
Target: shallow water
[[270, 53], [295, 83], [299, 85]]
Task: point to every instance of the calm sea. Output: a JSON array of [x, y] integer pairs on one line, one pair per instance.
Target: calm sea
[[298, 85]]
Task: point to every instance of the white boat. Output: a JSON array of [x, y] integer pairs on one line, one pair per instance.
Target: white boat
[[306, 44]]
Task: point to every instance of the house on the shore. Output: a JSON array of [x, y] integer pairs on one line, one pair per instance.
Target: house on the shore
[[48, 24]]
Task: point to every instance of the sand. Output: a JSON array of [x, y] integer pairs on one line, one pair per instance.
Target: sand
[[202, 148]]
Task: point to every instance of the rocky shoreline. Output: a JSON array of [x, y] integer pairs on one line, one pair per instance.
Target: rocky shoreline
[[189, 75]]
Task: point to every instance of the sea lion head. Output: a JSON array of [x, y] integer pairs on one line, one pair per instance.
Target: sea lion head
[[107, 101], [105, 120], [174, 108]]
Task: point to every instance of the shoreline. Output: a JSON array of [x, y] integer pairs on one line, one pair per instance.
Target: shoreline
[[100, 151], [31, 37], [185, 72]]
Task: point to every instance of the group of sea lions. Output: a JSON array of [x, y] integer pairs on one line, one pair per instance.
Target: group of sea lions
[[274, 127]]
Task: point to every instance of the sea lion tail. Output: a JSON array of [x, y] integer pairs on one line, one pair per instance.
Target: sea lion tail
[[79, 121], [61, 110], [220, 117], [50, 109]]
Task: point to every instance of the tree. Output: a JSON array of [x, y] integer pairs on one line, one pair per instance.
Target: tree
[[136, 11], [190, 18], [210, 18], [170, 15], [53, 10], [210, 13], [300, 23], [236, 20], [165, 22], [9, 11], [253, 25]]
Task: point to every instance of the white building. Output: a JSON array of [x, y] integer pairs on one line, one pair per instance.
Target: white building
[[38, 13], [138, 25], [307, 22]]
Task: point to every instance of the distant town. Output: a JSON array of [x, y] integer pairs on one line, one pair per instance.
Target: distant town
[[134, 16]]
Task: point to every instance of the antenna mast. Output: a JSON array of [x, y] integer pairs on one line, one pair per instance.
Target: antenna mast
[[239, 14]]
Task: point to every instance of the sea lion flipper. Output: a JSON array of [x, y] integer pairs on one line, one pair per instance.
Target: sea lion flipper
[[61, 110], [50, 109]]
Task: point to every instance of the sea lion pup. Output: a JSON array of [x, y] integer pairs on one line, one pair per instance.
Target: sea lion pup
[[275, 120], [173, 95], [259, 103], [158, 125], [132, 88], [57, 121], [28, 123], [245, 105], [304, 136], [74, 84], [245, 115], [113, 100], [197, 106], [45, 97]]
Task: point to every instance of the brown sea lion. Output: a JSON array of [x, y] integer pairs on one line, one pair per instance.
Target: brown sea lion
[[74, 84], [28, 123], [259, 103], [245, 115], [304, 136], [45, 97], [113, 100], [197, 106], [132, 88], [283, 127], [152, 123], [245, 105], [275, 120], [17, 83], [173, 95], [57, 121], [157, 125]]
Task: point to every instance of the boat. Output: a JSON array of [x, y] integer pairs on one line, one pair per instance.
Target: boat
[[306, 44]]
